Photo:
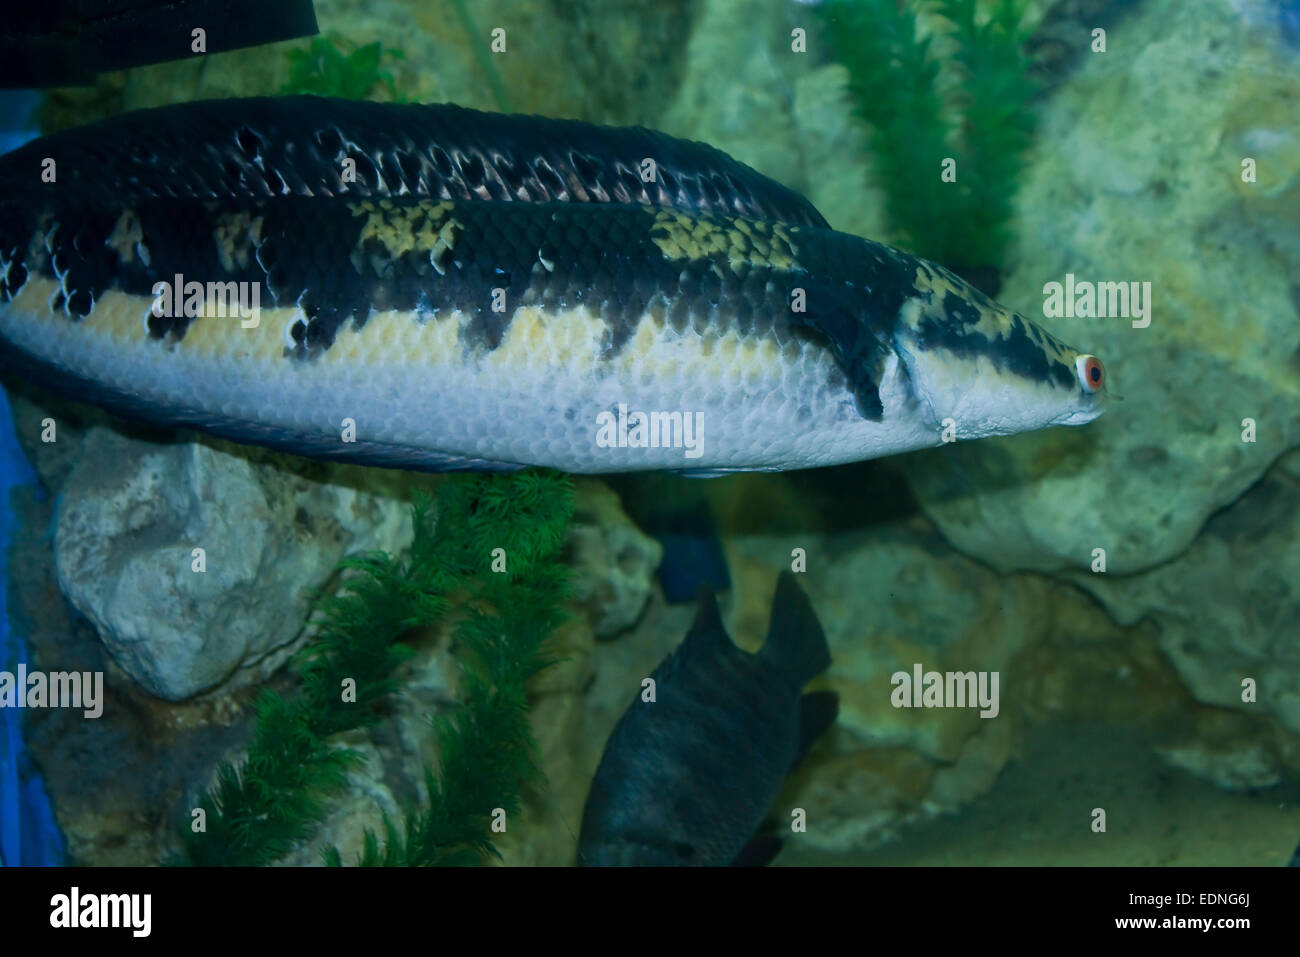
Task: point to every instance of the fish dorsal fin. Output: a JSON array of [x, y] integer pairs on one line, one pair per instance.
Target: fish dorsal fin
[[707, 628], [795, 643], [260, 147], [707, 635], [706, 638]]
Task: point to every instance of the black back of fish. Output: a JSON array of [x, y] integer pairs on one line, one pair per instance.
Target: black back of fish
[[687, 779], [262, 147]]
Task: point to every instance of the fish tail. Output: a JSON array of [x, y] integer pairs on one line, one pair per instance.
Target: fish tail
[[795, 642]]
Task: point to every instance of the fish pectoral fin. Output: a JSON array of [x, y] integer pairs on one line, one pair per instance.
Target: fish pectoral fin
[[705, 473], [817, 712], [720, 473], [857, 348]]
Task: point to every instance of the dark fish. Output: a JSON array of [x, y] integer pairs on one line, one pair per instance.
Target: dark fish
[[677, 514], [689, 777], [65, 42], [693, 554]]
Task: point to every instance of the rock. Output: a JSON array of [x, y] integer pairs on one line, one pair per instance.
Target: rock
[[751, 115], [360, 808], [1167, 206], [890, 600], [546, 832], [129, 519], [887, 603], [1234, 752], [810, 141], [614, 562], [1226, 609], [832, 145]]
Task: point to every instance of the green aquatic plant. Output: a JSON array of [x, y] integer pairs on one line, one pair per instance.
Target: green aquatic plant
[[974, 107], [481, 55], [493, 544], [503, 543], [334, 66]]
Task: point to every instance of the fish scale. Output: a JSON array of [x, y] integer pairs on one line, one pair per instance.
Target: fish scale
[[712, 295]]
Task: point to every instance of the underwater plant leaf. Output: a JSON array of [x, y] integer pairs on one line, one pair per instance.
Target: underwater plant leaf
[[326, 70], [895, 83], [276, 798], [995, 96]]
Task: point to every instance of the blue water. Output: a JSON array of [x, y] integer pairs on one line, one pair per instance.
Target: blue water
[[29, 834]]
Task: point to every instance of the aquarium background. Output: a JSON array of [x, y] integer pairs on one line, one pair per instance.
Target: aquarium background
[[1135, 583]]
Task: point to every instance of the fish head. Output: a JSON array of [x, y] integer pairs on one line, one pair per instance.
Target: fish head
[[972, 363]]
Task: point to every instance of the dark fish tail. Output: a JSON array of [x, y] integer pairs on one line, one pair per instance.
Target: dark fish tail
[[796, 644]]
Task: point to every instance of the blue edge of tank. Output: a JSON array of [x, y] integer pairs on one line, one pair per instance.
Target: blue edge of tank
[[29, 834]]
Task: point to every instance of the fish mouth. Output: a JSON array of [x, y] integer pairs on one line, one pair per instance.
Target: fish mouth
[[1082, 416]]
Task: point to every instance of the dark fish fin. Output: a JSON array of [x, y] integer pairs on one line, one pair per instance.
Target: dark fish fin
[[1295, 858], [693, 554], [817, 712], [677, 515], [260, 147], [857, 350], [759, 852], [329, 448], [720, 472], [796, 644], [707, 635], [705, 473], [66, 44]]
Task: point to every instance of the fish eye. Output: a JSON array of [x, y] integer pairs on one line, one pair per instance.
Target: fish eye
[[1091, 376]]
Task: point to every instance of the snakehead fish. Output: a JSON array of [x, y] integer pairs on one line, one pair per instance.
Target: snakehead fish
[[435, 288]]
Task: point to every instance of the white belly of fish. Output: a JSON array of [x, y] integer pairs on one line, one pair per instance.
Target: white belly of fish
[[551, 393]]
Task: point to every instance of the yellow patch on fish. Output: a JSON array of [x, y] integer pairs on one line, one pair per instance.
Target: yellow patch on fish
[[402, 228], [683, 236], [568, 339], [396, 337]]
